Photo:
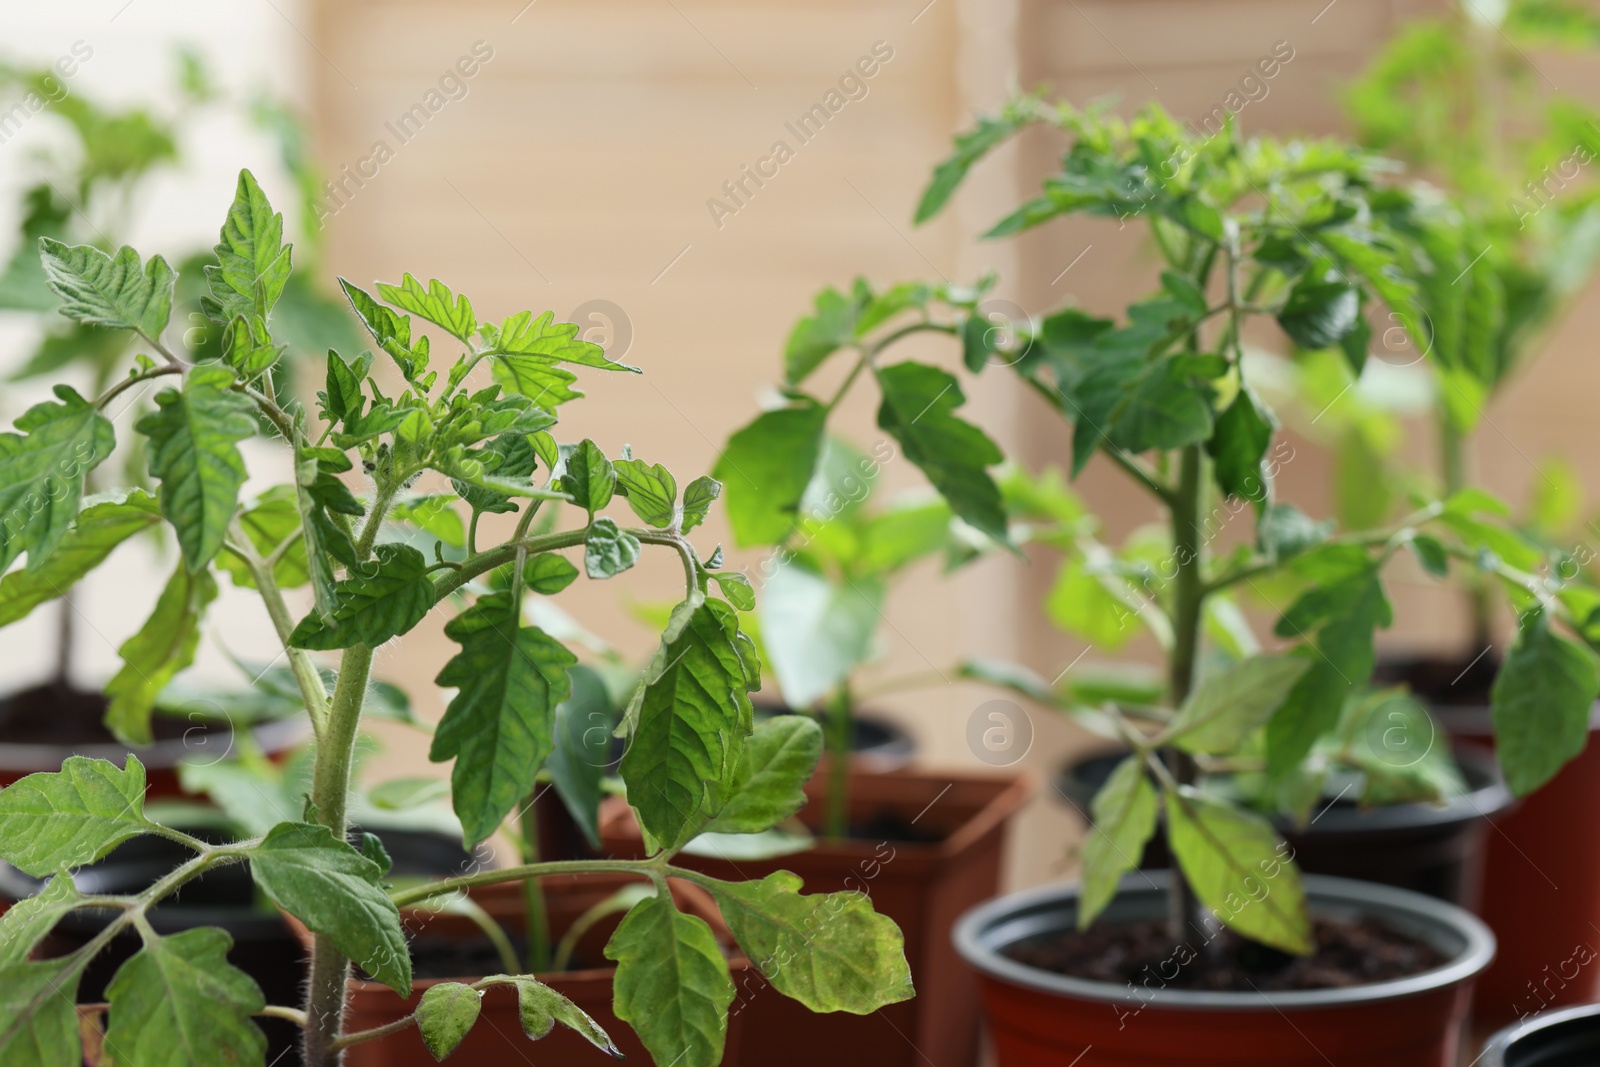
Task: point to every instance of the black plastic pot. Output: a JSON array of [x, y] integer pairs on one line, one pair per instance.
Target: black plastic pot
[[1567, 1038], [225, 897], [879, 743], [1427, 848]]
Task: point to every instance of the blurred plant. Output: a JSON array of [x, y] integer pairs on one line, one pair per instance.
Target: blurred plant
[[1459, 98], [695, 759], [1306, 233]]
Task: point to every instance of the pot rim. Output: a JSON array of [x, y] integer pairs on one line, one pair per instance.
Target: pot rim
[[1494, 1052], [976, 936], [31, 756]]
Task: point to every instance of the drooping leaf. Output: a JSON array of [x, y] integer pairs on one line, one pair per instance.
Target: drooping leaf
[[41, 474], [609, 550], [116, 291], [765, 469], [1541, 703], [151, 658], [499, 727], [194, 451], [384, 597], [829, 951], [26, 922], [817, 630], [178, 1002], [55, 820], [672, 984], [1125, 812], [918, 401], [99, 529], [445, 1014], [814, 338], [38, 1020], [1238, 447], [1237, 864], [392, 332], [691, 723], [540, 1008], [336, 891], [1230, 704], [970, 146], [769, 783], [252, 261], [589, 477], [651, 490]]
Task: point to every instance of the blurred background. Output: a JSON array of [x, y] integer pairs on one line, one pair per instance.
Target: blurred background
[[587, 158]]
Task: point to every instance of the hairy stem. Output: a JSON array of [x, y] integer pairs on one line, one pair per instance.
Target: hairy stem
[[1188, 600]]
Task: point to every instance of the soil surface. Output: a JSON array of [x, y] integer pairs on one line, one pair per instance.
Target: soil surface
[[1347, 954], [890, 826], [53, 714]]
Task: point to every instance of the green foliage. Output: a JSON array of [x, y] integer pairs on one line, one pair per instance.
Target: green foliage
[[54, 820], [151, 658], [1542, 701], [1124, 812], [672, 984], [38, 1019], [769, 784], [178, 1002], [386, 596], [252, 261], [116, 291], [41, 474], [445, 1014]]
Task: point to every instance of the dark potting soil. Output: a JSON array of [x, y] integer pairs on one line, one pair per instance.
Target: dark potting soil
[[57, 714], [1347, 954], [890, 826]]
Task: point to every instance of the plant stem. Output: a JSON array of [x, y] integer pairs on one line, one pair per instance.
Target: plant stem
[[416, 894], [1453, 466], [1188, 600], [538, 915], [838, 737]]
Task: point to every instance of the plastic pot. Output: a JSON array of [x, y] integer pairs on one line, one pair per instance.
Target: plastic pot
[[1430, 848], [1541, 890], [176, 739], [497, 1038], [921, 884], [1567, 1038], [1039, 1018]]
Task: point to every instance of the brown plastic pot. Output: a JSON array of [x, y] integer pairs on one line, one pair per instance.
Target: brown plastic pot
[[497, 1038], [923, 886], [1541, 888], [1039, 1018]]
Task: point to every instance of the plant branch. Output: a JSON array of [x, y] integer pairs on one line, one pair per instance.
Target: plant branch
[[413, 895], [132, 380]]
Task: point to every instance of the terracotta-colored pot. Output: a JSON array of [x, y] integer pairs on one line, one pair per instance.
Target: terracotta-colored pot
[[921, 885], [1564, 1038], [1541, 890], [497, 1038], [1041, 1019]]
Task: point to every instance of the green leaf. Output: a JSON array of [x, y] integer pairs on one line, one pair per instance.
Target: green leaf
[[1238, 447], [541, 1007], [736, 589], [1089, 605], [1237, 864], [1541, 702], [817, 631], [970, 146], [650, 488], [829, 951], [41, 475], [697, 500], [1231, 704], [178, 1002], [151, 658], [672, 984], [27, 921], [248, 347], [194, 451], [392, 332], [766, 467], [1319, 313], [342, 399], [589, 477], [336, 891], [318, 495], [1431, 554], [38, 1020], [384, 597], [582, 752], [444, 1015], [692, 718], [101, 290], [819, 335], [1125, 812], [252, 260], [548, 573], [500, 725], [436, 303], [540, 336], [779, 758], [1168, 405], [916, 411], [608, 550], [100, 528], [54, 820]]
